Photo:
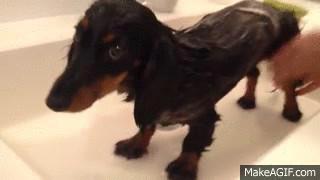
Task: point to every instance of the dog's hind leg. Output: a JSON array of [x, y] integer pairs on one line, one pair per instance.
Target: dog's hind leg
[[248, 100], [199, 137], [136, 146], [291, 110]]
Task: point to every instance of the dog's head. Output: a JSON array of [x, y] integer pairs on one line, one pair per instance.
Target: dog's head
[[111, 39]]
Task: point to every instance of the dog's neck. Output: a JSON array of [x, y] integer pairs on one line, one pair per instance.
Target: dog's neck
[[177, 55]]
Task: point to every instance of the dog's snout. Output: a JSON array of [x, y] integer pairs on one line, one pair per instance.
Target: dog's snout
[[57, 103]]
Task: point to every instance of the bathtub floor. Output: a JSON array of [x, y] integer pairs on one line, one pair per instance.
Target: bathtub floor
[[80, 146]]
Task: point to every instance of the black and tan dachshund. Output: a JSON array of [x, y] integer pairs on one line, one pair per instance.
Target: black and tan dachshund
[[172, 76]]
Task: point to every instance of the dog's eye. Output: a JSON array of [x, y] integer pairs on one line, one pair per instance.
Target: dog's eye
[[115, 52]]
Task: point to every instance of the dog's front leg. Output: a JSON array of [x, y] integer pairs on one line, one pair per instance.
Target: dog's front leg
[[136, 146], [199, 137]]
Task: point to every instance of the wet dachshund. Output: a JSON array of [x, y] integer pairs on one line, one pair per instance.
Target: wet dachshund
[[172, 76]]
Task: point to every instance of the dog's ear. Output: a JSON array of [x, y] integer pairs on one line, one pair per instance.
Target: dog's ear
[[158, 83]]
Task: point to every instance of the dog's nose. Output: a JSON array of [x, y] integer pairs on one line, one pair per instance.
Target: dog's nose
[[57, 104]]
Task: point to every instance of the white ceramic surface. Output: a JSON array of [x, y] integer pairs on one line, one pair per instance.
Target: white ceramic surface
[[162, 5], [17, 10], [13, 167]]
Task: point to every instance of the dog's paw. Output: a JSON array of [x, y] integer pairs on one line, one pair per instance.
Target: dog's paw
[[130, 149], [246, 103], [292, 115], [183, 168]]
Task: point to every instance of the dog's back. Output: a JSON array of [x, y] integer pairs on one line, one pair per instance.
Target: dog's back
[[246, 28], [236, 38], [289, 28]]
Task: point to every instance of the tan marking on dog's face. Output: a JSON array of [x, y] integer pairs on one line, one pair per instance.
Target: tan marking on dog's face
[[86, 96], [85, 23], [110, 84], [83, 99], [108, 38]]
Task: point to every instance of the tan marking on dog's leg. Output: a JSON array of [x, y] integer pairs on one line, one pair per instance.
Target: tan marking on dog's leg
[[184, 167], [85, 23], [136, 146], [108, 38], [248, 100], [291, 110], [251, 87], [191, 160], [143, 137]]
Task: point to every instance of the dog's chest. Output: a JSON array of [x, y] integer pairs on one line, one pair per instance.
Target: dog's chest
[[182, 115]]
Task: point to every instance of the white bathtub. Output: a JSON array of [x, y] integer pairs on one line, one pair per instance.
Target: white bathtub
[[39, 144]]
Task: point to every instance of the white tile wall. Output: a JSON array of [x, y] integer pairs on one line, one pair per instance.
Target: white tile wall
[[14, 10]]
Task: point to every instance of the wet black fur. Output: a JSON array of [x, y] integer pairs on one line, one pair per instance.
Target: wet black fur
[[182, 73]]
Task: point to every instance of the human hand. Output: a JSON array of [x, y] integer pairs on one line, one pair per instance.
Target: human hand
[[299, 60]]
